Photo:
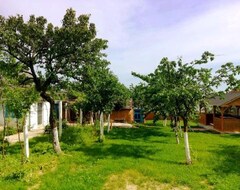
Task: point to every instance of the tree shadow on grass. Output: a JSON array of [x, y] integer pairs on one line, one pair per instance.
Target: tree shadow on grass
[[42, 139], [143, 133], [205, 131], [118, 151], [13, 149], [232, 136], [230, 160]]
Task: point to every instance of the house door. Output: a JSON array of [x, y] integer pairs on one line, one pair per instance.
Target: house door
[[138, 117]]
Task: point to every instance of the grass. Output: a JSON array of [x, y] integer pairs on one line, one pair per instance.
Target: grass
[[137, 158]]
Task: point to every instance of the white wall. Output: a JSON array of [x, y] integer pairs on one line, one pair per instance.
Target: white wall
[[34, 115], [46, 113], [33, 120]]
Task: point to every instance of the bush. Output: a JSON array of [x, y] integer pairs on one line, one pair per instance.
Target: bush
[[47, 129], [79, 135], [16, 175], [64, 124], [42, 148], [10, 130]]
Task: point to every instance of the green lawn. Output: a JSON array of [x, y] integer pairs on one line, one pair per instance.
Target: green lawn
[[136, 158]]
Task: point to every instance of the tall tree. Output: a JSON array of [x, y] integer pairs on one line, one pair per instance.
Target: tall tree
[[104, 93], [46, 55]]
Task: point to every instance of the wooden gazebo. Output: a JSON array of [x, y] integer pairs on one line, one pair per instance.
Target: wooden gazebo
[[225, 113]]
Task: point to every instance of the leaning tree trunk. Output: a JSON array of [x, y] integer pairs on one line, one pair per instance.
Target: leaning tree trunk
[[52, 122], [186, 142]]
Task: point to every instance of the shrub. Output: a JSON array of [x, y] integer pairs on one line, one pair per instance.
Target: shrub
[[16, 175], [78, 135]]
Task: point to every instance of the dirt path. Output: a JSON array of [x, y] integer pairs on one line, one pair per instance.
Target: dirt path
[[33, 133]]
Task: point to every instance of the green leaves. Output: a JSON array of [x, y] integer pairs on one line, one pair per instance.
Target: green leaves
[[46, 54], [176, 88], [229, 74], [19, 99]]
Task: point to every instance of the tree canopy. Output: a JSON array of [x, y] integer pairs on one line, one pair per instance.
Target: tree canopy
[[45, 55], [176, 88]]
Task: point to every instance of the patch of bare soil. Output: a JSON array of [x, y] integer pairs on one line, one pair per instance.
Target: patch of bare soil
[[133, 180]]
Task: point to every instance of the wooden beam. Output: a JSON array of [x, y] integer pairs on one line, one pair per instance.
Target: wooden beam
[[222, 109], [214, 111], [238, 113]]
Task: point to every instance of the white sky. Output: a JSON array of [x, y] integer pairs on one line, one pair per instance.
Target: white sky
[[141, 32]]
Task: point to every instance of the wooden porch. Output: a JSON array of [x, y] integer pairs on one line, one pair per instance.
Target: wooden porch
[[225, 113]]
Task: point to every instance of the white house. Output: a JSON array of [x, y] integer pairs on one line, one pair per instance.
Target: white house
[[37, 117]]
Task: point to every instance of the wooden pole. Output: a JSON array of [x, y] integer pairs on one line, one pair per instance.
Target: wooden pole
[[223, 109]]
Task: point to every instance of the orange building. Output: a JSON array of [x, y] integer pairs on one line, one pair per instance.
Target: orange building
[[125, 115], [149, 116]]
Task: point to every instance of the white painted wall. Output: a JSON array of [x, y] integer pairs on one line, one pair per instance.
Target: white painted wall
[[33, 120], [46, 113], [32, 116]]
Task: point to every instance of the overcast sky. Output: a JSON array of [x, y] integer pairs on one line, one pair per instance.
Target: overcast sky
[[142, 32]]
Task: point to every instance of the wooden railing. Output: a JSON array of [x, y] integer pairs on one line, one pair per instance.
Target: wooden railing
[[230, 124]]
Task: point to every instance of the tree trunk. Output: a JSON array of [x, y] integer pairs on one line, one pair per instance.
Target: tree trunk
[[180, 129], [101, 137], [19, 140], [52, 122], [97, 115], [109, 127], [172, 122], [60, 118], [176, 134], [4, 132], [66, 112], [91, 118], [25, 136], [80, 116], [186, 142], [165, 122], [176, 129]]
